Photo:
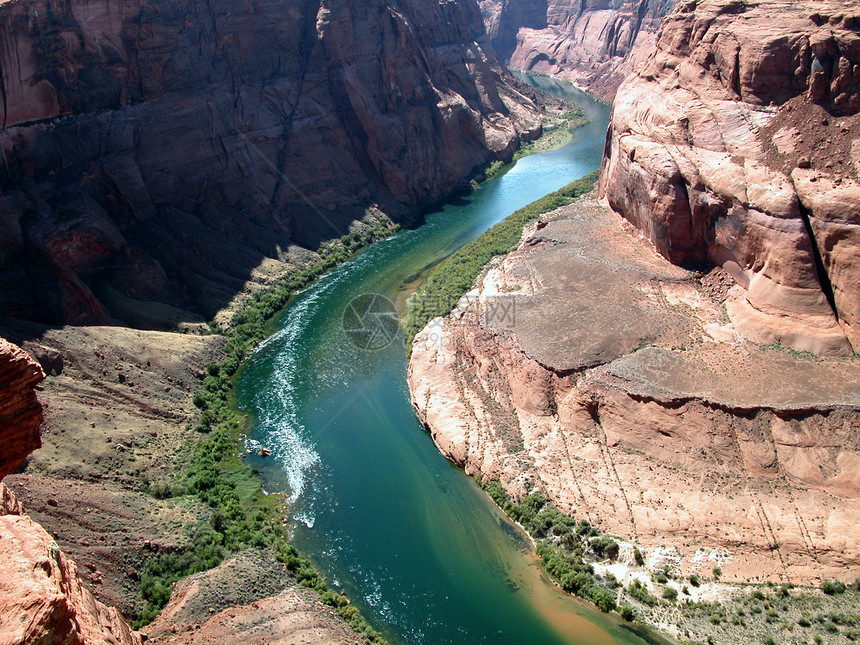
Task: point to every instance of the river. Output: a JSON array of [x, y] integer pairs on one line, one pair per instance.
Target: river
[[413, 541]]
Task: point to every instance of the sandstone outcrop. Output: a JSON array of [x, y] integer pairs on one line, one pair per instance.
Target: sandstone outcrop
[[20, 411], [42, 599], [249, 599], [736, 144], [594, 43], [615, 384], [155, 153]]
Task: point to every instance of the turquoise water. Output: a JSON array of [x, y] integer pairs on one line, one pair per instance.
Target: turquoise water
[[418, 547]]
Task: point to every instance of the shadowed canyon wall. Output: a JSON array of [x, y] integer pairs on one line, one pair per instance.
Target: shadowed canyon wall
[[156, 152], [594, 43]]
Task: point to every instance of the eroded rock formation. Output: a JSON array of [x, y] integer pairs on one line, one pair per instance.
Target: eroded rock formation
[[20, 411], [590, 368], [737, 144], [155, 153], [594, 43], [42, 599]]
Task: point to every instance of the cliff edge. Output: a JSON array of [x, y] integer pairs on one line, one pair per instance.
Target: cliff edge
[[586, 366], [738, 144]]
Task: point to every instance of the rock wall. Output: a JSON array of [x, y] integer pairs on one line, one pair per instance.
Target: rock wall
[[41, 596], [155, 153], [20, 411], [594, 43], [738, 143], [42, 599], [614, 384]]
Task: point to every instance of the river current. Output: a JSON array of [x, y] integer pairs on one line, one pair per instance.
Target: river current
[[413, 541]]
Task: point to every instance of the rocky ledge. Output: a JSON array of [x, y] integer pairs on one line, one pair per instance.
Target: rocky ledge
[[589, 367], [738, 144], [20, 411]]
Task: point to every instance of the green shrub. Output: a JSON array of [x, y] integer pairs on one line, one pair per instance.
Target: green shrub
[[640, 592], [670, 593], [603, 598], [605, 547], [833, 587], [694, 580], [626, 612]]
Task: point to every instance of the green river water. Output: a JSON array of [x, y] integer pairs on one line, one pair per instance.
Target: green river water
[[417, 546]]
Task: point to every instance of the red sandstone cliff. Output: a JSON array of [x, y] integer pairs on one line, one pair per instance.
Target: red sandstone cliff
[[594, 43], [20, 411], [615, 385], [157, 152], [739, 144], [42, 599]]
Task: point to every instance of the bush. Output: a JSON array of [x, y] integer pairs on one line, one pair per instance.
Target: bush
[[833, 587], [694, 580], [670, 593], [718, 572], [605, 547], [604, 599], [626, 612], [640, 592]]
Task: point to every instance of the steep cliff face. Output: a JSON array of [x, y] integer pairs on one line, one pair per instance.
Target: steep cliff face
[[737, 144], [156, 152], [614, 384], [20, 411], [42, 599], [594, 43]]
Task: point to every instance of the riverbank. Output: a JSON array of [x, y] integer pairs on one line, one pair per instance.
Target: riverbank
[[536, 400], [159, 504], [151, 492]]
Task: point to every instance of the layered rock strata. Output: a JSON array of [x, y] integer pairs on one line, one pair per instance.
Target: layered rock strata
[[20, 411], [42, 598], [156, 153], [737, 144], [594, 43], [587, 366]]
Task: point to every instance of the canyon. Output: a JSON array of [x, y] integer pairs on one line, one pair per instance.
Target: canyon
[[159, 156], [593, 43], [681, 367], [161, 162], [673, 359]]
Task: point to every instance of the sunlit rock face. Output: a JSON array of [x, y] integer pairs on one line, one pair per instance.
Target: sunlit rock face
[[594, 43], [737, 144]]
